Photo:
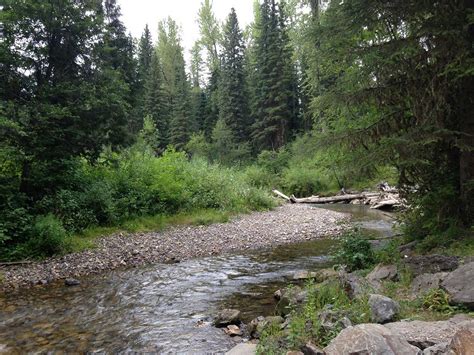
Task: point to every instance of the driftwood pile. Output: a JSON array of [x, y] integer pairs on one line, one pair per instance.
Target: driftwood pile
[[387, 198]]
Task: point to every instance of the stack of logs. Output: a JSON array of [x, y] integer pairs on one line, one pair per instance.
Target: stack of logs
[[387, 198]]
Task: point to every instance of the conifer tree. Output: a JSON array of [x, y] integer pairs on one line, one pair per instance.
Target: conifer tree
[[233, 96], [274, 106], [155, 101], [177, 89]]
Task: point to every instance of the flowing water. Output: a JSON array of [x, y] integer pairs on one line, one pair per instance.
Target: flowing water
[[165, 308]]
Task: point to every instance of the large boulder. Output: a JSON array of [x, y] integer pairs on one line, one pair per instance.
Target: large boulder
[[430, 264], [369, 339], [243, 349], [426, 282], [227, 317], [460, 285], [383, 273], [426, 334], [383, 309], [463, 340], [355, 285]]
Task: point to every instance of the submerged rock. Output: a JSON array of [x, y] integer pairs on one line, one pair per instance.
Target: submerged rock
[[227, 317], [369, 339], [71, 282], [383, 309], [459, 284]]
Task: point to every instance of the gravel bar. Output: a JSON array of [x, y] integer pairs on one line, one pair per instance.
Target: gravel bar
[[283, 225]]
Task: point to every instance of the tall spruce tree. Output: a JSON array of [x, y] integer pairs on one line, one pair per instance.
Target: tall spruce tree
[[177, 89], [274, 106], [155, 102], [233, 108], [145, 53]]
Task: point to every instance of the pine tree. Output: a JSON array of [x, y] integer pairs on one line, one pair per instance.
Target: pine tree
[[145, 52], [177, 89], [155, 101], [233, 108], [275, 103]]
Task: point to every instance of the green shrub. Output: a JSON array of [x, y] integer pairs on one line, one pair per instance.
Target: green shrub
[[355, 252], [437, 300], [49, 237]]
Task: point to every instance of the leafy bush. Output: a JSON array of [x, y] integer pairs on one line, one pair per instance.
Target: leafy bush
[[437, 300], [49, 237], [355, 252]]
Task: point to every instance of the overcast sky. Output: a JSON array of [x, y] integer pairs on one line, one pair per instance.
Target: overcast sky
[[137, 13]]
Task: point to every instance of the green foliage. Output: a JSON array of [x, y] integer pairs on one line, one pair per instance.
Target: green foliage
[[125, 187], [355, 252], [50, 238], [438, 300], [304, 323]]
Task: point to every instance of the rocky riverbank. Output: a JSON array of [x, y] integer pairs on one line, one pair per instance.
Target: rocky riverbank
[[421, 305], [285, 224]]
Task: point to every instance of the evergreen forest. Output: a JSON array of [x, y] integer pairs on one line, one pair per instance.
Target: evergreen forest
[[100, 131]]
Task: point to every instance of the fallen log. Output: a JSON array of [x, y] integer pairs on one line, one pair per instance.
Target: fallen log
[[340, 198], [386, 203], [282, 195]]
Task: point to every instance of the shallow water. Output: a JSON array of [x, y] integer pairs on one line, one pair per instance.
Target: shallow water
[[161, 308]]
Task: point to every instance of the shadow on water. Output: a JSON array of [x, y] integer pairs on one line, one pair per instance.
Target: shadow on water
[[161, 308]]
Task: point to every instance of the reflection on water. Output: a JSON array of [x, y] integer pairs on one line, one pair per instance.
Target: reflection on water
[[158, 308], [375, 222]]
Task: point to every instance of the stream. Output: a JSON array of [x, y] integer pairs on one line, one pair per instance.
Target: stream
[[165, 308]]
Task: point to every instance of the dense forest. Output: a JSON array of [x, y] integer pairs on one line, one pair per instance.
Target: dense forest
[[98, 128]]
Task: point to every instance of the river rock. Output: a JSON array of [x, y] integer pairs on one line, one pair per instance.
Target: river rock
[[333, 320], [425, 334], [460, 285], [227, 317], [355, 285], [438, 349], [291, 297], [243, 349], [257, 325], [383, 309], [294, 352], [463, 340], [369, 339], [430, 264], [426, 282], [311, 349], [233, 330], [71, 282], [382, 273], [326, 274], [304, 275]]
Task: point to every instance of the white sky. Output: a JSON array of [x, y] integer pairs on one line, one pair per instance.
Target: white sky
[[137, 13]]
